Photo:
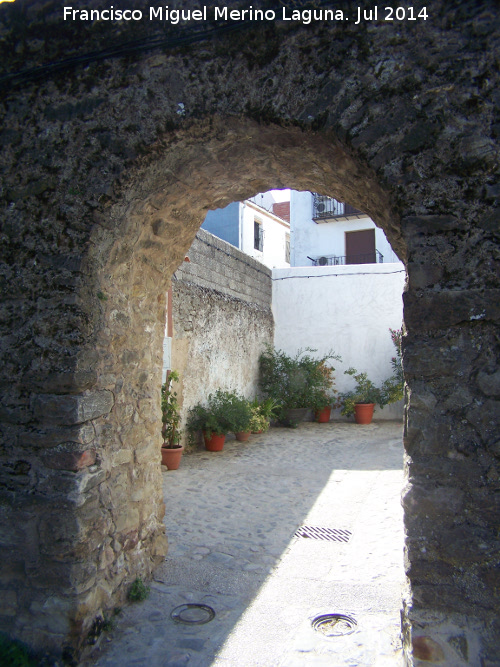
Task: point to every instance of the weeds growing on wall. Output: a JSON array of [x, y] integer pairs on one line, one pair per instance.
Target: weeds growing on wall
[[15, 654], [138, 591]]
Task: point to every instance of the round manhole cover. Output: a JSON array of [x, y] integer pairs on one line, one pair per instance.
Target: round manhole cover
[[334, 625], [193, 614]]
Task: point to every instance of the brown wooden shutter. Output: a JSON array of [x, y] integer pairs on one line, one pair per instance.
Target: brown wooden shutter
[[360, 247]]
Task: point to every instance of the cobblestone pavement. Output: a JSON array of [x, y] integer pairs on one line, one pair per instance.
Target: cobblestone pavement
[[231, 521]]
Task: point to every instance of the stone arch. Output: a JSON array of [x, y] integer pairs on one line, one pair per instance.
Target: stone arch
[[146, 234], [107, 171]]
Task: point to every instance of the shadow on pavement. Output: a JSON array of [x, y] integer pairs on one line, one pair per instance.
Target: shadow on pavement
[[231, 518]]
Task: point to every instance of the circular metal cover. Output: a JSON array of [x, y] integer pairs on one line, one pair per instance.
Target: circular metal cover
[[193, 614], [334, 625]]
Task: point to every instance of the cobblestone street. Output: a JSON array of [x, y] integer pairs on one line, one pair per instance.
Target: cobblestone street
[[231, 521]]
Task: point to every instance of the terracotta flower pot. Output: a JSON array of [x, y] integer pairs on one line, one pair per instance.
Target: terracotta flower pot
[[242, 436], [171, 457], [363, 413], [215, 443], [323, 415]]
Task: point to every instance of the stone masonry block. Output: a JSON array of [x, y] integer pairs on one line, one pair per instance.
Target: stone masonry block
[[61, 382], [159, 547], [489, 384], [120, 457], [424, 275], [426, 648], [9, 603], [73, 409], [148, 452], [53, 614], [80, 433], [485, 418], [432, 224], [439, 310], [127, 519], [430, 360], [91, 479], [73, 461], [434, 501]]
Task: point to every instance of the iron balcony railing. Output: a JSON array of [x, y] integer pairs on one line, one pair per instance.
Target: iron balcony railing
[[326, 208], [336, 260]]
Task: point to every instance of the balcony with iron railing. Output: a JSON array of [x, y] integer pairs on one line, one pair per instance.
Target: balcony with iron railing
[[375, 257], [327, 209]]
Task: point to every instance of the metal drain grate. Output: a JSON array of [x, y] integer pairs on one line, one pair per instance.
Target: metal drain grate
[[334, 625], [319, 533]]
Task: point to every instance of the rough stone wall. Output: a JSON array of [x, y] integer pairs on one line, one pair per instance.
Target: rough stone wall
[[108, 169], [219, 266], [222, 320]]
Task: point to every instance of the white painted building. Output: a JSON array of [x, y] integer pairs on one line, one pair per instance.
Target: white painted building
[[257, 226], [326, 232]]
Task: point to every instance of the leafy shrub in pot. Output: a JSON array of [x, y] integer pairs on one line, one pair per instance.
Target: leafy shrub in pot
[[393, 387], [262, 413], [171, 450], [223, 412], [298, 382], [323, 393], [170, 413], [366, 392]]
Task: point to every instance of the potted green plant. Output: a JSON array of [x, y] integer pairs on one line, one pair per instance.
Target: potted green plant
[[223, 412], [171, 450], [362, 399], [269, 407], [258, 423], [393, 387], [323, 394], [241, 415], [262, 413], [295, 383], [323, 408]]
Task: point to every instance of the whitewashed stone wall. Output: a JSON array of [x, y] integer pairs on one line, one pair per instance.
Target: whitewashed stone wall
[[222, 319], [347, 309]]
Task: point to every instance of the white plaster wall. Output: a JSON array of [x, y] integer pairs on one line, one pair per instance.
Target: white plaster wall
[[347, 309], [327, 238], [275, 231]]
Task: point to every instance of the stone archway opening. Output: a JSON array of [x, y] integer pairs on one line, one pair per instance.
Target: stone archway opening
[[208, 167], [104, 402], [137, 244], [209, 540]]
